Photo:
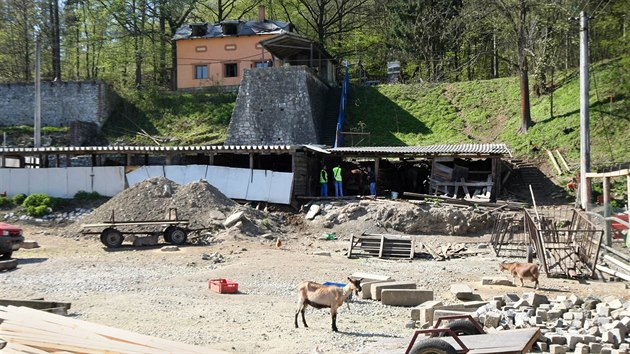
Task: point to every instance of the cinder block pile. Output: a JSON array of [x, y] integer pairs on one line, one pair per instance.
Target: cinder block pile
[[390, 292], [567, 323]]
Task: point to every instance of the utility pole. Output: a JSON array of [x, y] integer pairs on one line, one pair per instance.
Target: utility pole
[[38, 98], [585, 140]]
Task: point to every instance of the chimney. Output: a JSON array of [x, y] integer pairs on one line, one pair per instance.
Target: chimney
[[261, 13]]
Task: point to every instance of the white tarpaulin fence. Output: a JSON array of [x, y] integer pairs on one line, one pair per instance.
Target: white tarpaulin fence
[[236, 183], [63, 182]]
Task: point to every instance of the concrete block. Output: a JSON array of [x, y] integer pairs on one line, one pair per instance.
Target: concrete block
[[542, 346], [576, 300], [606, 350], [557, 349], [581, 348], [370, 277], [462, 291], [595, 347], [437, 313], [572, 340], [534, 299], [377, 288], [542, 313], [553, 315], [496, 281], [366, 288], [492, 319], [510, 298], [555, 338], [405, 297], [608, 337], [416, 312], [603, 310]]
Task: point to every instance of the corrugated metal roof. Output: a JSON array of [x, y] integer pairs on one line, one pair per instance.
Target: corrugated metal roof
[[432, 150], [148, 149]]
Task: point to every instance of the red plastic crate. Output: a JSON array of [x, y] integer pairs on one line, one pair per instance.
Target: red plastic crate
[[222, 286]]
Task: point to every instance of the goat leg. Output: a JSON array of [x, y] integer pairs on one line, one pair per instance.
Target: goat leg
[[303, 318], [334, 323]]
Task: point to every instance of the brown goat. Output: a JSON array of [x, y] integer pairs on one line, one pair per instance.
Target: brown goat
[[322, 296], [522, 271]]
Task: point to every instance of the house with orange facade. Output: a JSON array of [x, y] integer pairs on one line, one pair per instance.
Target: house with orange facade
[[218, 54]]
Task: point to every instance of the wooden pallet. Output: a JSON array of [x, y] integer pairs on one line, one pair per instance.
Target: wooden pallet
[[382, 246]]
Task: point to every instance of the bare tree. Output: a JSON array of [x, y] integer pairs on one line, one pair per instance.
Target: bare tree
[[516, 14]]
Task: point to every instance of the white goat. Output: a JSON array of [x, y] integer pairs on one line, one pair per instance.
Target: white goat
[[522, 271], [322, 296]]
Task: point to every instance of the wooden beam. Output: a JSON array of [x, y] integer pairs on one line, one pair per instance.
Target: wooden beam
[[617, 262], [613, 272], [625, 172], [35, 304], [607, 233]]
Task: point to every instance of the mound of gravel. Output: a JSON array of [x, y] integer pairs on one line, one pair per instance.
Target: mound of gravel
[[203, 205]]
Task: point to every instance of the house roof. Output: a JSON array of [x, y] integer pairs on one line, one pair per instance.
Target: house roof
[[290, 44], [245, 28]]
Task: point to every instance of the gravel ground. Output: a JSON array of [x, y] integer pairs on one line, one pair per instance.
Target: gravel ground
[[165, 294]]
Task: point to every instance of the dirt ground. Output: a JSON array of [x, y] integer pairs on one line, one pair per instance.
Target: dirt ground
[[165, 294]]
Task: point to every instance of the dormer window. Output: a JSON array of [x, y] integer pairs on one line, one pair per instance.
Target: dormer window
[[199, 29], [229, 28]]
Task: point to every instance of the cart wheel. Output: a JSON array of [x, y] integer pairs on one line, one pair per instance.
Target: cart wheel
[[178, 236], [461, 328], [111, 238], [432, 346], [530, 254], [168, 232]]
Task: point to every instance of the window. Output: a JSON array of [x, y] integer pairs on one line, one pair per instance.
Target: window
[[230, 47], [201, 48], [201, 71], [231, 70]]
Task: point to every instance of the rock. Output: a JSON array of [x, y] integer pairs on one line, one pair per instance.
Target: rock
[[495, 281], [462, 291], [29, 244], [313, 211], [233, 219], [169, 249]]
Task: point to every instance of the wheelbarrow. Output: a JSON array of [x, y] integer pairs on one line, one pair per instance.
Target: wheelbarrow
[[466, 336]]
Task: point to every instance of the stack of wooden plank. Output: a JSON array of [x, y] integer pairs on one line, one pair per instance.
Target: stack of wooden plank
[[27, 330], [447, 251], [382, 246]]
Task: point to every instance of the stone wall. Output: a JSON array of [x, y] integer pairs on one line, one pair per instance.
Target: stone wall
[[61, 103], [277, 106]]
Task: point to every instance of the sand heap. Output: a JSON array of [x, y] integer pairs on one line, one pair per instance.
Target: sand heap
[[203, 205]]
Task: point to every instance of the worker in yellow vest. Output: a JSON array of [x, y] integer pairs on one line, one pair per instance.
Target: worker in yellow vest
[[338, 182], [323, 181]]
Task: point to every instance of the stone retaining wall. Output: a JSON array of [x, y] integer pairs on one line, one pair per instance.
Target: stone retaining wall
[[277, 106], [61, 103]]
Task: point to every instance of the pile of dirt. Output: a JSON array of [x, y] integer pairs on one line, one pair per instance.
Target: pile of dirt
[[405, 217], [203, 205]]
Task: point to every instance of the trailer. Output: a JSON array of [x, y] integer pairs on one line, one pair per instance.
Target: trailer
[[465, 335], [112, 232]]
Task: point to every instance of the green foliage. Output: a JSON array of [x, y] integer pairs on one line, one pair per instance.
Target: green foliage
[[18, 199], [5, 203], [488, 111], [171, 118], [87, 196], [38, 204]]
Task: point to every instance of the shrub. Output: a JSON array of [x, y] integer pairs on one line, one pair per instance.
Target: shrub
[[18, 199], [5, 203], [38, 211], [87, 196], [38, 204]]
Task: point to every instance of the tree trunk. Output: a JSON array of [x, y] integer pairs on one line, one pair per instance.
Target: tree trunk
[[526, 119], [55, 39]]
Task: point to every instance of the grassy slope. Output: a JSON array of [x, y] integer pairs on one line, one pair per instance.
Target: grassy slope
[[180, 118], [488, 111]]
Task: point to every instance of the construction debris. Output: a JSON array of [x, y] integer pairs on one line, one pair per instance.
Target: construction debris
[[448, 251], [27, 330]]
